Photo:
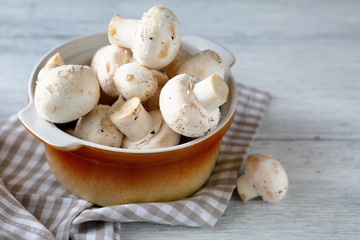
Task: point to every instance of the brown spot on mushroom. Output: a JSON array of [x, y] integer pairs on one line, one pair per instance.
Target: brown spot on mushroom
[[276, 170], [243, 196], [130, 77], [269, 194], [172, 31], [164, 52], [112, 30], [51, 89], [255, 163]]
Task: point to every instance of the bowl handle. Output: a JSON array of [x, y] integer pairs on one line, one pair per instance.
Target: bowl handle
[[196, 43], [36, 126]]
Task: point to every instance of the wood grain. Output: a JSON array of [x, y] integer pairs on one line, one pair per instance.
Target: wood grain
[[305, 53]]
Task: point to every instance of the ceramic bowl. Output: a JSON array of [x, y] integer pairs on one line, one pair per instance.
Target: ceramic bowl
[[109, 176]]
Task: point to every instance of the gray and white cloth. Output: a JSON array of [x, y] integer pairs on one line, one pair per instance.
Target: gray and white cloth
[[33, 205]]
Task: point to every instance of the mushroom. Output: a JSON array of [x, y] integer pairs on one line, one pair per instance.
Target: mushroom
[[64, 93], [132, 80], [96, 127], [142, 129], [116, 105], [153, 102], [105, 62], [172, 69], [203, 64], [154, 39], [264, 176], [192, 109]]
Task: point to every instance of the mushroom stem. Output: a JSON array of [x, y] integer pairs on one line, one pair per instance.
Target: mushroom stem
[[116, 105], [246, 189], [211, 92], [121, 31], [55, 59], [53, 62], [132, 119]]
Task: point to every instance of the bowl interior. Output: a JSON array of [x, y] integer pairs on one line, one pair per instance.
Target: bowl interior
[[80, 51]]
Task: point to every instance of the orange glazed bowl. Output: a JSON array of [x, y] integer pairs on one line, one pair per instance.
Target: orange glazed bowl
[[110, 176]]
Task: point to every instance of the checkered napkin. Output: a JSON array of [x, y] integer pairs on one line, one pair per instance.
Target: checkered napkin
[[33, 205]]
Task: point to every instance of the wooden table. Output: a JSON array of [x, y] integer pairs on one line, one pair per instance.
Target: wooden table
[[305, 53]]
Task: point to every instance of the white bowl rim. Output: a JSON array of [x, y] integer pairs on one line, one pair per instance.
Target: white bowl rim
[[45, 131]]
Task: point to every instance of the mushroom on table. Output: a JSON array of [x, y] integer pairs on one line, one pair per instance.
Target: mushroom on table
[[263, 176], [154, 39]]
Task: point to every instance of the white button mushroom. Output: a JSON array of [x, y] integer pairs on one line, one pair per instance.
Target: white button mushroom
[[264, 176], [132, 80], [154, 40], [105, 62], [64, 93], [96, 127], [192, 109], [203, 64], [142, 129]]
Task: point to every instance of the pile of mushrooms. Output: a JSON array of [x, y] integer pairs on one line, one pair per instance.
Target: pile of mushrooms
[[140, 92]]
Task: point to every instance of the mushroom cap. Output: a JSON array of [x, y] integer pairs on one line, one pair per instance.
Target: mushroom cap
[[182, 112], [105, 62], [66, 93], [160, 136], [268, 176], [96, 127], [134, 80], [157, 38], [203, 64]]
